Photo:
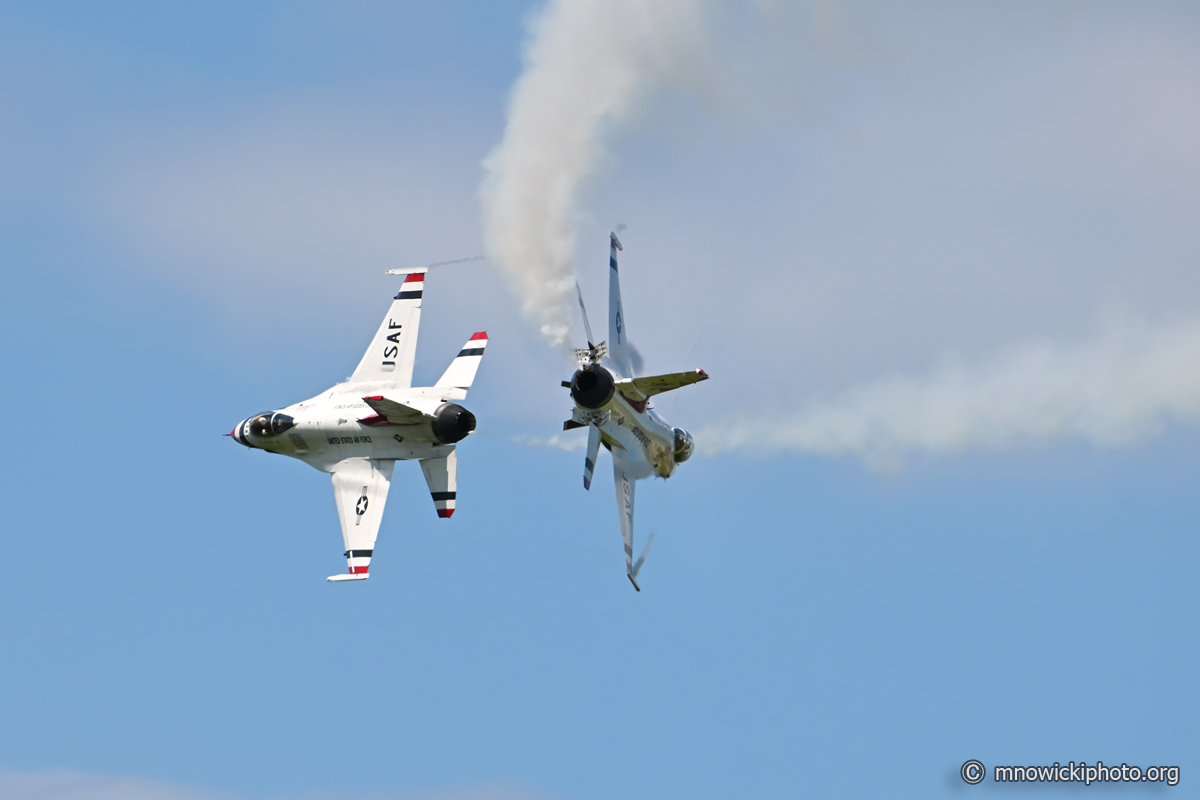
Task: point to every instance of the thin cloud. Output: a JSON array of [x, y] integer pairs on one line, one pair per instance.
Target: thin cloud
[[568, 443], [1120, 389], [68, 785], [284, 204]]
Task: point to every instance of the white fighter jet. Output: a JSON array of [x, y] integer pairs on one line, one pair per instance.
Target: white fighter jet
[[358, 430], [615, 407]]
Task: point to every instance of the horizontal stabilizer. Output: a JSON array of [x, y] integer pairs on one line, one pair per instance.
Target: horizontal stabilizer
[[441, 475], [642, 388], [344, 577], [461, 372], [396, 413], [593, 451]]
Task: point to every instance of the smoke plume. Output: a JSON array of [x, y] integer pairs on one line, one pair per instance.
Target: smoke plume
[[637, 566], [589, 67], [1120, 389]]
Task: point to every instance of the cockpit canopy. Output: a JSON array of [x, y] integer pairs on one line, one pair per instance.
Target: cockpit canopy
[[269, 423], [683, 445]]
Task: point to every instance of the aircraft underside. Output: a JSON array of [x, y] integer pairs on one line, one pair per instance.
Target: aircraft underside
[[358, 430], [614, 405]]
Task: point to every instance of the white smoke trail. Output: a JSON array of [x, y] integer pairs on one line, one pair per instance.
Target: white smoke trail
[[589, 66], [1120, 389], [568, 443], [637, 565]]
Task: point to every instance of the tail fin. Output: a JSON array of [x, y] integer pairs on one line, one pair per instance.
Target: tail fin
[[618, 340], [461, 372], [625, 487], [393, 350]]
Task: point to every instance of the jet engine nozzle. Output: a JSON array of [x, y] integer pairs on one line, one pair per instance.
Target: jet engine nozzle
[[684, 444], [592, 387], [452, 423]]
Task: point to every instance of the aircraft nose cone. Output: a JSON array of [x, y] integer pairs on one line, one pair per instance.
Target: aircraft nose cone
[[236, 434]]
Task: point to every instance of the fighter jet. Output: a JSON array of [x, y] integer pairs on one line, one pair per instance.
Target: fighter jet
[[614, 406], [358, 430]]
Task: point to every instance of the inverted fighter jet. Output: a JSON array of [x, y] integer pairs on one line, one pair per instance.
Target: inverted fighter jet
[[358, 430], [614, 406]]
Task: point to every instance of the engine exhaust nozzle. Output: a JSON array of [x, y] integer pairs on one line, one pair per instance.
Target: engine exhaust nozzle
[[592, 387], [452, 423]]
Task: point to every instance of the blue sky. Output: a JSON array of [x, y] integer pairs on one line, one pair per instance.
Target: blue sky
[[198, 207]]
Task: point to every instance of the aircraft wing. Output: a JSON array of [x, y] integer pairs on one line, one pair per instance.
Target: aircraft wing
[[642, 388], [618, 338], [396, 413], [360, 487], [393, 351], [625, 486]]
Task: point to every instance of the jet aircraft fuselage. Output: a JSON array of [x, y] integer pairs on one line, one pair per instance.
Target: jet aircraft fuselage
[[357, 430], [614, 406], [649, 444], [339, 424]]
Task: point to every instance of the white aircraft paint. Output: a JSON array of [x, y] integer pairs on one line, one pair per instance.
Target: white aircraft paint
[[358, 430], [615, 406]]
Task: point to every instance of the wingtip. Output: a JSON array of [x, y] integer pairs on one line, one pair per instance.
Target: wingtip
[[478, 335], [631, 580]]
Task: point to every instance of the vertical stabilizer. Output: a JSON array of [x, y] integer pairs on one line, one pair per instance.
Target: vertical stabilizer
[[393, 351], [625, 486]]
